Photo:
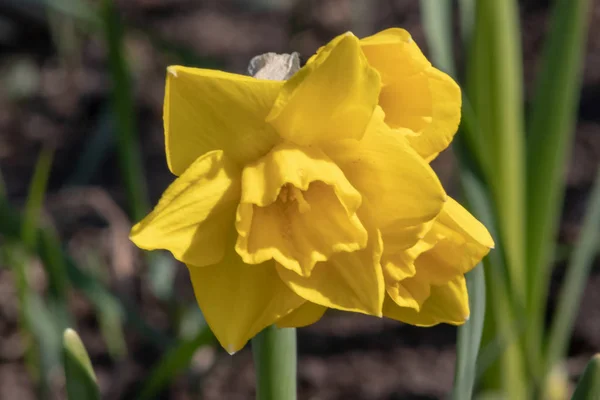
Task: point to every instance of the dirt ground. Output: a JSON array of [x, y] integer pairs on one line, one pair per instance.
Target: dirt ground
[[48, 98]]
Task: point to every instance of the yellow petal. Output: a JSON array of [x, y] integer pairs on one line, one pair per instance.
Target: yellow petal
[[393, 52], [298, 208], [208, 110], [399, 273], [307, 314], [446, 304], [195, 213], [461, 242], [455, 244], [330, 98], [415, 95], [435, 122], [238, 300], [398, 187], [409, 292], [457, 218], [347, 281]]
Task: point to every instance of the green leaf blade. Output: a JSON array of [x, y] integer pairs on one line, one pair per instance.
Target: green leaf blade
[[80, 377], [588, 387]]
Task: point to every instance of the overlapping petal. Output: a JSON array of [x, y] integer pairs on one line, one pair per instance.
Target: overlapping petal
[[400, 189], [415, 95], [195, 213], [330, 98], [461, 242], [307, 314], [455, 244], [298, 208], [239, 301], [208, 110], [346, 281], [403, 285], [448, 303]]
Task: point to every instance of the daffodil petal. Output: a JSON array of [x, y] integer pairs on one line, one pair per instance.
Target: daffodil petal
[[346, 281], [415, 95], [398, 186], [457, 218], [393, 52], [307, 314], [409, 292], [453, 246], [298, 208], [446, 304], [435, 124], [461, 242], [192, 218], [208, 110], [330, 98], [239, 301], [399, 271]]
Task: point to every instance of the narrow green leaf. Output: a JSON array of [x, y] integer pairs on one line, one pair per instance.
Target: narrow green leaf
[[436, 16], [575, 280], [36, 321], [14, 256], [36, 195], [469, 337], [80, 377], [174, 362], [494, 79], [588, 387], [502, 324], [551, 127], [466, 9], [53, 265], [130, 159], [495, 88]]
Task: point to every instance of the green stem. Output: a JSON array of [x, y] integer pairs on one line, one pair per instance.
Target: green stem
[[275, 357]]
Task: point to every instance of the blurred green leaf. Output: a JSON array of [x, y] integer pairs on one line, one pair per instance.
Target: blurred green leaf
[[588, 387], [53, 264], [494, 79], [13, 255], [161, 274], [575, 280], [80, 377], [35, 197], [76, 9], [436, 17], [466, 9], [130, 159], [495, 88], [41, 319], [501, 326], [469, 337], [104, 301], [551, 126], [173, 362]]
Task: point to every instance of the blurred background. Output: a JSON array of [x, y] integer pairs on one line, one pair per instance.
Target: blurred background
[[82, 157]]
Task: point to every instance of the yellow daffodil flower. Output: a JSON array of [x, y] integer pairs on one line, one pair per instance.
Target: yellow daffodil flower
[[312, 193]]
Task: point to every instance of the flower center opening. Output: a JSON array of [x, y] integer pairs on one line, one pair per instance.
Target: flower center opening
[[290, 195]]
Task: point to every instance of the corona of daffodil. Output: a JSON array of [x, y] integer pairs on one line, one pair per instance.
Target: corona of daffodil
[[315, 192]]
